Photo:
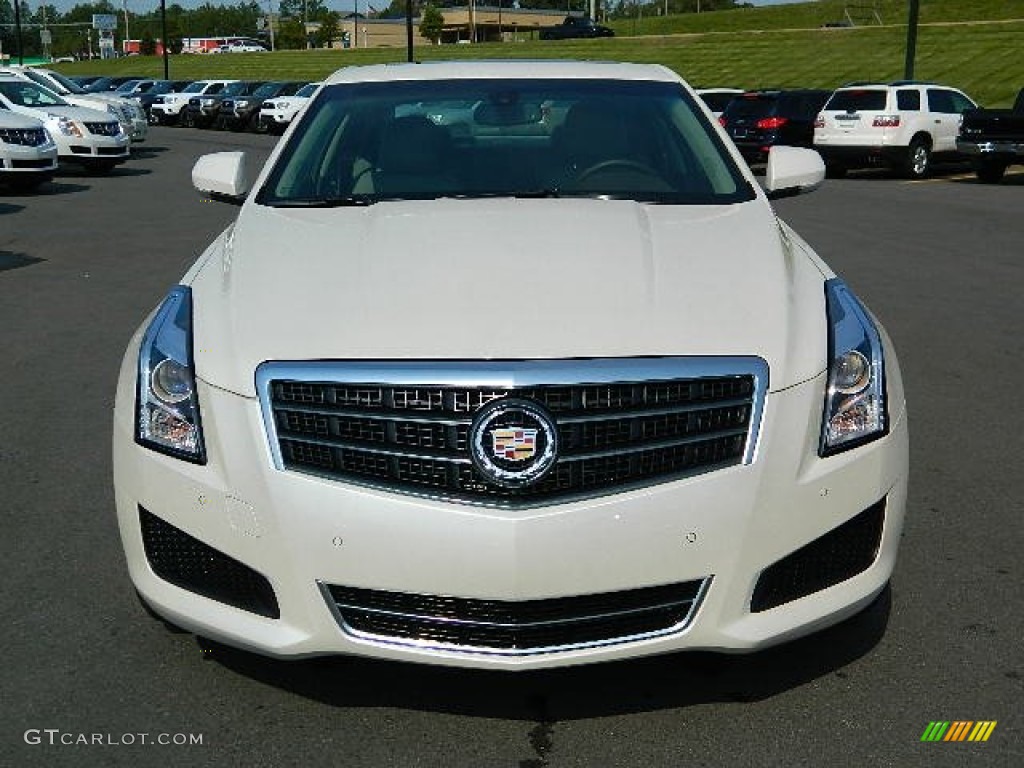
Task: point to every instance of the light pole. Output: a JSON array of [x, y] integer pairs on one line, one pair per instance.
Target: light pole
[[908, 67], [270, 21], [17, 28], [164, 42]]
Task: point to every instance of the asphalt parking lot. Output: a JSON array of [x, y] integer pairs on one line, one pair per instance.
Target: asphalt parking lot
[[84, 261]]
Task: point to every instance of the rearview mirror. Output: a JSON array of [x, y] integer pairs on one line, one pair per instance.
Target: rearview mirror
[[222, 176]]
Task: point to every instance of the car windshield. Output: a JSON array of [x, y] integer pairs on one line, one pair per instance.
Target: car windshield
[[170, 86], [65, 82], [24, 93], [307, 90], [853, 100], [236, 89], [267, 90], [195, 87], [127, 86], [361, 143], [62, 82]]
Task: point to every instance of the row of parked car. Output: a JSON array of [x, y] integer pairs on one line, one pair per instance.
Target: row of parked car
[[45, 117], [906, 125], [262, 106]]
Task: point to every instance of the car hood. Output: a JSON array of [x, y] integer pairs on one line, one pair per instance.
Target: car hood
[[81, 114], [506, 279], [14, 121]]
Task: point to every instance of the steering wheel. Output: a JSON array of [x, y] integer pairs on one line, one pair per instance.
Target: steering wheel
[[616, 163]]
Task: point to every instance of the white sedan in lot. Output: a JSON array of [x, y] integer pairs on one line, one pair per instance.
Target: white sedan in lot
[[128, 113], [28, 156], [84, 136], [527, 387]]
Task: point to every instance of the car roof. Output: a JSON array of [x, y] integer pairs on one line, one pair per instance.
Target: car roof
[[502, 69], [893, 84]]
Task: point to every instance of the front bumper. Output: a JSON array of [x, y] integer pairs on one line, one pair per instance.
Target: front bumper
[[276, 118], [18, 159], [138, 129], [302, 533], [92, 148]]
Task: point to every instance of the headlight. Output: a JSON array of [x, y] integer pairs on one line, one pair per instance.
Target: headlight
[[855, 409], [242, 103], [66, 126], [208, 102], [167, 408]]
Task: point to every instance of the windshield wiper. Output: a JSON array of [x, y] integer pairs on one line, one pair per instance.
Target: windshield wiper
[[539, 193], [349, 201]]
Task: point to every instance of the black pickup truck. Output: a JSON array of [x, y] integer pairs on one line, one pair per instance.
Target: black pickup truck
[[993, 139], [575, 26]]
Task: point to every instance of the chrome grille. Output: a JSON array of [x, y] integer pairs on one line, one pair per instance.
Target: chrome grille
[[620, 424], [515, 627], [26, 137], [103, 129]]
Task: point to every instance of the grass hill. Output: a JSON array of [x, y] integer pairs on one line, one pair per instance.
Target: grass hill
[[971, 44]]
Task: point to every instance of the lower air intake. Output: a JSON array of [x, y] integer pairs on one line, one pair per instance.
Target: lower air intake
[[839, 555], [190, 564]]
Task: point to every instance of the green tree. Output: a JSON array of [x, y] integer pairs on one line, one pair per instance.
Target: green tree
[[311, 10], [147, 44], [292, 34], [431, 23], [330, 29]]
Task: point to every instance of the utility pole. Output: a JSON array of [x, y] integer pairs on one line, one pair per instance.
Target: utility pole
[[124, 5], [908, 68], [17, 27], [164, 42], [408, 29], [270, 21]]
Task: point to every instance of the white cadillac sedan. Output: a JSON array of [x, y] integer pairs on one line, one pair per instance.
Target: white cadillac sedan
[[508, 365], [28, 156], [88, 137]]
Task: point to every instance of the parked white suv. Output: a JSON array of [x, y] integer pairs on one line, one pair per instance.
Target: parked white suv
[[28, 156], [168, 108], [277, 113], [131, 116], [904, 124]]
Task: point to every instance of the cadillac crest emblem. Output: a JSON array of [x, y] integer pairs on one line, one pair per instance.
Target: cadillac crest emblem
[[513, 442]]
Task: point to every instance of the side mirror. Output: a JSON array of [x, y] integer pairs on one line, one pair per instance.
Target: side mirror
[[792, 171], [222, 176]]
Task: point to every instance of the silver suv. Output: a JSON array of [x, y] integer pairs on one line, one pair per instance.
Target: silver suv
[[904, 125]]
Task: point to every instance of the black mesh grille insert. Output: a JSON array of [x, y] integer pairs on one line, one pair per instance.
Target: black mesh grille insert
[[839, 555], [103, 129], [416, 439], [528, 626], [190, 564]]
